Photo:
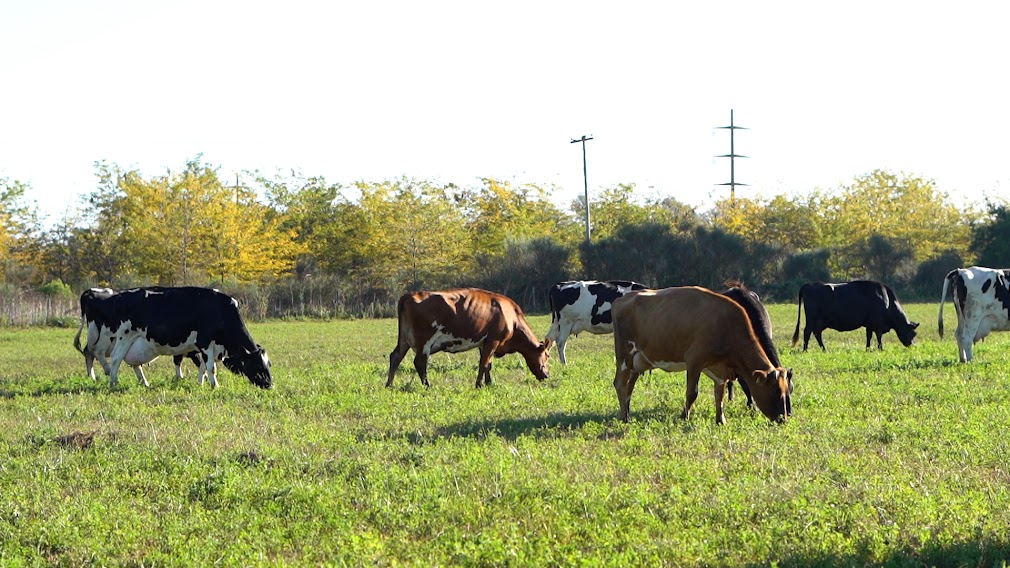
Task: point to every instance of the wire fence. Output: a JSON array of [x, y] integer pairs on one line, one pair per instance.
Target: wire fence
[[29, 307]]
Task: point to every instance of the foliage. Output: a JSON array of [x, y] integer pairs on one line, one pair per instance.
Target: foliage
[[369, 242], [528, 269], [57, 288], [990, 240], [889, 460], [20, 232], [908, 209]]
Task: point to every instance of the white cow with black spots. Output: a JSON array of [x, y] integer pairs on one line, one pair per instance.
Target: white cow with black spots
[[982, 303]]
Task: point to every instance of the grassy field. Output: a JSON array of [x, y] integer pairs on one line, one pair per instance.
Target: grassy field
[[893, 458]]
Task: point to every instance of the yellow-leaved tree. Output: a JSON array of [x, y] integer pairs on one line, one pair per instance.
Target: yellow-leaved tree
[[187, 228], [904, 208]]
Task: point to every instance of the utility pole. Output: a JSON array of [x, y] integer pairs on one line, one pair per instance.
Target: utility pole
[[585, 180], [732, 156]]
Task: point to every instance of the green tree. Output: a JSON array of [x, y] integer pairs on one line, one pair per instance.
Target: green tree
[[21, 238], [407, 234], [906, 208], [498, 213], [990, 239], [614, 208]]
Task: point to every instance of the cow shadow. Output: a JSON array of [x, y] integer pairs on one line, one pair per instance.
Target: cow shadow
[[56, 389], [552, 425], [980, 552]]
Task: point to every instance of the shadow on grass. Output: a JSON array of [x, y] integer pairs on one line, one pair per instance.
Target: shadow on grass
[[51, 389], [980, 552], [553, 425]]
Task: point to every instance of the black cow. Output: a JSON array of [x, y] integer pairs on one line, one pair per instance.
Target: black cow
[[92, 350], [583, 305], [849, 306], [760, 321], [144, 323]]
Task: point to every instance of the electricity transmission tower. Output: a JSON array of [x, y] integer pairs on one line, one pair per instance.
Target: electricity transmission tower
[[732, 156]]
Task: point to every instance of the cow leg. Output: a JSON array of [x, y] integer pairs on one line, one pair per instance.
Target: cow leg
[[139, 370], [484, 371], [624, 384], [880, 345], [178, 366], [210, 366], [484, 375], [720, 401], [122, 347], [89, 363], [965, 337], [395, 357], [562, 342], [693, 375], [806, 337], [421, 365], [817, 336]]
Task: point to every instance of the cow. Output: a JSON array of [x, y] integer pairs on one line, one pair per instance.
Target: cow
[[698, 330], [461, 319], [91, 349], [761, 322], [849, 306], [982, 303], [583, 305], [143, 323]]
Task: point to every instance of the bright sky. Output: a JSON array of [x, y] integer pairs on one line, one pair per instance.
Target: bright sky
[[454, 91]]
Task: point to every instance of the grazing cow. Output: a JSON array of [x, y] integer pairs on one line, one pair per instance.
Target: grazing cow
[[91, 349], [462, 319], [982, 303], [144, 323], [849, 306], [694, 329], [761, 322], [583, 305]]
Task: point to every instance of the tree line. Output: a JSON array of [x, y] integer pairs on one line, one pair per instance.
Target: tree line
[[291, 245]]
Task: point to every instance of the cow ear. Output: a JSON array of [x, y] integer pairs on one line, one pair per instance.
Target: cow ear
[[915, 324], [760, 376]]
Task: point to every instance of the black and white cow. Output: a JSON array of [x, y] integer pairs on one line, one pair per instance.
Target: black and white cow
[[584, 305], [982, 304], [91, 349], [144, 323], [849, 306]]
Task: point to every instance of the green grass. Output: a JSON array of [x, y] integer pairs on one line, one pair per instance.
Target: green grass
[[892, 458]]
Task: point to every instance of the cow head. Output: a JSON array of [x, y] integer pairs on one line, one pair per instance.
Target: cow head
[[772, 392], [253, 364], [906, 333], [536, 359]]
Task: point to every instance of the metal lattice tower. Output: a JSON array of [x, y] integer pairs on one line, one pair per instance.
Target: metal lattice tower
[[732, 156]]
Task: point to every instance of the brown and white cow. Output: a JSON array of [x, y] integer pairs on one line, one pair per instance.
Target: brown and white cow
[[694, 329], [462, 319]]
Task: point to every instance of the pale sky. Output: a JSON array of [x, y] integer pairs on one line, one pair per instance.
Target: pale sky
[[455, 91]]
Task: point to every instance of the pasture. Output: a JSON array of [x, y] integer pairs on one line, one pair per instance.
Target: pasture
[[898, 458]]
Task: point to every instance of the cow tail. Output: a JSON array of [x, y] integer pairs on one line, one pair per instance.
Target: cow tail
[[943, 297], [77, 338], [799, 308], [401, 337], [80, 328]]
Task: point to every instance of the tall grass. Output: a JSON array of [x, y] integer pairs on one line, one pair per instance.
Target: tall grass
[[895, 457]]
